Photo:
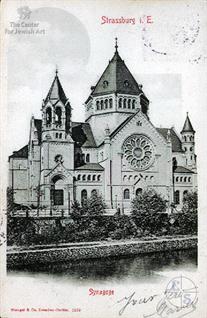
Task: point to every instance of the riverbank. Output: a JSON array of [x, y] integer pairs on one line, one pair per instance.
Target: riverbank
[[94, 250]]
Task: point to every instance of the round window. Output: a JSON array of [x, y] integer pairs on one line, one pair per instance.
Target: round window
[[59, 158], [138, 152]]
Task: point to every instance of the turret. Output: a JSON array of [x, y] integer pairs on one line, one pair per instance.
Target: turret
[[56, 113], [188, 142]]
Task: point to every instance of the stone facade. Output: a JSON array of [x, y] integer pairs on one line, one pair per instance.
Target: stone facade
[[116, 152]]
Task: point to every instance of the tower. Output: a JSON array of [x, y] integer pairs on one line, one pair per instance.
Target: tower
[[188, 143], [56, 113], [57, 148], [115, 97]]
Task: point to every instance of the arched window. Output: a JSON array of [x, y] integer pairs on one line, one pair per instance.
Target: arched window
[[60, 136], [191, 148], [110, 103], [185, 179], [94, 192], [133, 103], [139, 191], [185, 194], [58, 115], [177, 179], [89, 177], [83, 157], [189, 179], [126, 83], [129, 103], [84, 177], [78, 157], [120, 102], [106, 103], [185, 138], [177, 197], [102, 104], [97, 105], [126, 194], [88, 157], [94, 177], [124, 178], [99, 177], [56, 135], [181, 179], [79, 177], [48, 116], [105, 84], [124, 103], [83, 196]]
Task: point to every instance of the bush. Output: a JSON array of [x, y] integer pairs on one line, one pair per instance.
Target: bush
[[148, 202]]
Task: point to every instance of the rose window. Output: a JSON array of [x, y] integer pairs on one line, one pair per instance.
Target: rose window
[[138, 151]]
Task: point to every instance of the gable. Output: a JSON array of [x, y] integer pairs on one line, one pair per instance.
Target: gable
[[138, 124], [59, 169]]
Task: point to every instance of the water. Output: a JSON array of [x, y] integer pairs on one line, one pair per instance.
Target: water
[[136, 268], [67, 283]]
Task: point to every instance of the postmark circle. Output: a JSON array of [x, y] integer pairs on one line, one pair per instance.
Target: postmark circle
[[181, 292]]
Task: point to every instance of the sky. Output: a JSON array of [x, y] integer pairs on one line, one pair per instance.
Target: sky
[[74, 41]]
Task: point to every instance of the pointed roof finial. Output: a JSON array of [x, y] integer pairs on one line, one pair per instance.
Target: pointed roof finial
[[187, 125], [116, 44], [56, 70]]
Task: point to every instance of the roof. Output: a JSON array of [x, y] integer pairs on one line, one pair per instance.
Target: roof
[[21, 153], [91, 166], [181, 169], [122, 124], [82, 134], [187, 126], [176, 142], [56, 91], [116, 78], [38, 125]]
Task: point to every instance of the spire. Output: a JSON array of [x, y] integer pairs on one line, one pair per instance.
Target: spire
[[56, 91], [187, 125], [116, 44]]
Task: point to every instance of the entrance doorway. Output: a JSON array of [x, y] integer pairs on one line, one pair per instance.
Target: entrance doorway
[[57, 191], [58, 197]]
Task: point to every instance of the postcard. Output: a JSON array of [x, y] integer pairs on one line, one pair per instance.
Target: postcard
[[103, 159]]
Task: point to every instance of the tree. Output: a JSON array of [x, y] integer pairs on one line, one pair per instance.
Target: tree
[[148, 202], [145, 208], [190, 202], [188, 219], [76, 210], [94, 206]]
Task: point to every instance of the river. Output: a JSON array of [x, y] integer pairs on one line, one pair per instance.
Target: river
[[68, 284]]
